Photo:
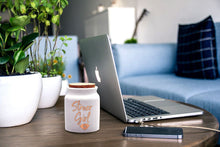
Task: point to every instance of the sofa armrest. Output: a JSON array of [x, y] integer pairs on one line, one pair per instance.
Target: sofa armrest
[[142, 59]]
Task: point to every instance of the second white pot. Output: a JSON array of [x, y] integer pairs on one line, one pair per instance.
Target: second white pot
[[64, 88], [50, 92]]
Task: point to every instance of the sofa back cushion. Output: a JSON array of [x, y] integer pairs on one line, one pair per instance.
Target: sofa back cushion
[[217, 34], [196, 50], [141, 59]]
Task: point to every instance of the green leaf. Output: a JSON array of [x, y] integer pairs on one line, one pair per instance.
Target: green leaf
[[16, 46], [22, 65], [47, 23], [47, 9], [64, 51], [20, 20], [65, 44], [33, 16], [17, 33], [15, 28], [69, 38], [27, 40], [19, 55], [62, 39], [33, 5], [4, 60], [60, 10], [52, 53], [23, 9], [13, 11], [55, 19], [44, 2], [64, 3], [28, 46], [41, 17]]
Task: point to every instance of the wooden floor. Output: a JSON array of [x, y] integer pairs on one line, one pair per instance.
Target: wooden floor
[[47, 129]]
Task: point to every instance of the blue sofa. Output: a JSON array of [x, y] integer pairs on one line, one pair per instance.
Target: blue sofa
[[149, 69]]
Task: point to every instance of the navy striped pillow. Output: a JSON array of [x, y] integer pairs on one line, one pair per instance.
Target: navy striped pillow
[[196, 50]]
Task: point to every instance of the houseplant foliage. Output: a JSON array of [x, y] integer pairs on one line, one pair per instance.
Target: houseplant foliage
[[44, 14], [57, 65], [18, 100], [13, 59]]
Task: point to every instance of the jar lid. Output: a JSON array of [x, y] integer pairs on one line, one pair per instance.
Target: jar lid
[[82, 85]]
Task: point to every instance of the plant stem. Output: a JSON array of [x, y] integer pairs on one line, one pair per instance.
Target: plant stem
[[9, 12], [3, 43], [45, 66], [6, 38], [6, 69], [12, 71], [37, 53]]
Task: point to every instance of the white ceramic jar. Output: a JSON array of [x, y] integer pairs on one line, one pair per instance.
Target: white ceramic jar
[[82, 108]]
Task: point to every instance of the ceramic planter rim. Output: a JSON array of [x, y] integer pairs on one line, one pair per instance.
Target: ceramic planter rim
[[32, 72]]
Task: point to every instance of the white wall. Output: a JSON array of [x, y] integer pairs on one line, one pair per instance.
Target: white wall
[[161, 25], [72, 20], [74, 15]]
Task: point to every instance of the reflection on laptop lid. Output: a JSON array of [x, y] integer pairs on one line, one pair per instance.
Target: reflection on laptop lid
[[100, 66]]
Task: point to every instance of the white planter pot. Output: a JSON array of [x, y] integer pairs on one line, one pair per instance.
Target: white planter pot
[[19, 98], [64, 87], [50, 92]]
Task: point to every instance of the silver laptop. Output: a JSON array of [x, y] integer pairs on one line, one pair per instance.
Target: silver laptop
[[100, 66]]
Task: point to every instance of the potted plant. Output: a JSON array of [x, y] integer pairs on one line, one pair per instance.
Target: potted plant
[[44, 14], [52, 80], [133, 39], [20, 90]]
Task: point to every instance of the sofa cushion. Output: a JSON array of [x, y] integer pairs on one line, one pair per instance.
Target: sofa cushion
[[167, 86], [209, 101], [141, 59], [196, 53]]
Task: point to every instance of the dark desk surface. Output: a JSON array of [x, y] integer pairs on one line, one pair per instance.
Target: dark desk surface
[[47, 129]]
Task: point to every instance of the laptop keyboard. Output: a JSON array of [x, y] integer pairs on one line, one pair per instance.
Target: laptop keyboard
[[135, 108]]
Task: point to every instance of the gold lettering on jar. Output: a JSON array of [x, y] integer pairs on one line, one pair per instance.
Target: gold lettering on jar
[[82, 114]]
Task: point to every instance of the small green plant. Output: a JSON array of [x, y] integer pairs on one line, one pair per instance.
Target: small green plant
[[45, 13], [55, 66], [58, 62], [132, 40], [42, 14], [13, 59]]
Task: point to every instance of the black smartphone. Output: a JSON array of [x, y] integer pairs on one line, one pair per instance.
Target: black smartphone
[[153, 132]]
